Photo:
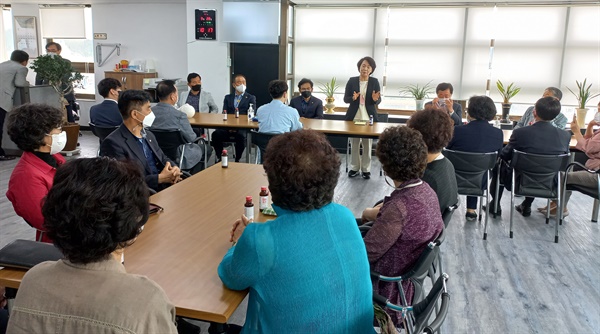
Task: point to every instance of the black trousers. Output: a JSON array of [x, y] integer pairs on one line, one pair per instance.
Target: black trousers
[[2, 117], [221, 136], [506, 182]]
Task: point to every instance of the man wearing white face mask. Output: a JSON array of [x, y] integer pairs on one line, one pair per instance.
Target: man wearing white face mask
[[241, 101], [169, 118], [35, 128], [131, 141]]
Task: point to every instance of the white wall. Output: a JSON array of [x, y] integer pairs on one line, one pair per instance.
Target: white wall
[[210, 59], [145, 31]]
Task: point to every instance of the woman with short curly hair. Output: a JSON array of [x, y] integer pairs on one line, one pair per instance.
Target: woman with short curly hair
[[95, 209], [310, 255], [408, 219], [437, 127], [36, 129]]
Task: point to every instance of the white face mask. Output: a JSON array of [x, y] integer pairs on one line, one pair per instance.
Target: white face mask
[[597, 117], [59, 140], [148, 120], [51, 53], [241, 88]]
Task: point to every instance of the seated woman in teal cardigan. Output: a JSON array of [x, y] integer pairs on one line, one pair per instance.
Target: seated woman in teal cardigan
[[307, 270]]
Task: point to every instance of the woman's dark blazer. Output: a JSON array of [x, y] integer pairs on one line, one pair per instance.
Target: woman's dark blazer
[[352, 86]]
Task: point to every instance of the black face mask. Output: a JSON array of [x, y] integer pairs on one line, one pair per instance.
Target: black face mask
[[196, 88], [305, 94]]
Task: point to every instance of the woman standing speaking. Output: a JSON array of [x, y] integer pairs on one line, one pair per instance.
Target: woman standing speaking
[[363, 93]]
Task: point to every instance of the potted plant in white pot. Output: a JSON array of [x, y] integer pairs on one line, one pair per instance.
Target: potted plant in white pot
[[583, 95], [60, 74], [419, 93], [329, 89], [507, 93]]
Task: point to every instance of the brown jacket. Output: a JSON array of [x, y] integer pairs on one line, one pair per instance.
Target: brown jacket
[[100, 297]]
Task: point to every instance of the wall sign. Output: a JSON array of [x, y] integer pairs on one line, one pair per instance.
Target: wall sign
[[206, 27]]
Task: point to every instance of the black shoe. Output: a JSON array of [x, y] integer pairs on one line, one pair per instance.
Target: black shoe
[[524, 210], [6, 158], [491, 205], [366, 175], [352, 173], [471, 216]]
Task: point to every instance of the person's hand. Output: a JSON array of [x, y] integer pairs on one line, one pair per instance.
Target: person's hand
[[355, 96], [176, 173], [449, 106], [376, 95], [589, 132], [238, 228], [370, 214], [169, 174], [574, 126]]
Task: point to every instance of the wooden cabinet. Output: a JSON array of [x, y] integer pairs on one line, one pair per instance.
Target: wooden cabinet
[[130, 80]]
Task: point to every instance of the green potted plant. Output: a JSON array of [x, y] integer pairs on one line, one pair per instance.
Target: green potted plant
[[329, 89], [583, 95], [60, 74], [419, 93], [507, 93]]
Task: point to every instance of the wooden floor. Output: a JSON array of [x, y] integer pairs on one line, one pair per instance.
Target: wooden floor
[[527, 284]]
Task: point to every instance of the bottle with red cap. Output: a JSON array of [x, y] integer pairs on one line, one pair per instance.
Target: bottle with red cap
[[224, 162], [264, 198], [249, 208]]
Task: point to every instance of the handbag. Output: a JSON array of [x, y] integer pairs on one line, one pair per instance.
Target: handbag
[[24, 254]]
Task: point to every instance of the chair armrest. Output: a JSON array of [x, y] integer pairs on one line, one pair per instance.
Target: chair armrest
[[582, 166], [441, 315]]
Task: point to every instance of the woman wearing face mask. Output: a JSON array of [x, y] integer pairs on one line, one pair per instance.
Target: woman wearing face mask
[[590, 145], [36, 129], [408, 219]]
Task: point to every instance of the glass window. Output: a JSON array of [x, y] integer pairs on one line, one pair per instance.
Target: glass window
[[7, 46], [81, 53]]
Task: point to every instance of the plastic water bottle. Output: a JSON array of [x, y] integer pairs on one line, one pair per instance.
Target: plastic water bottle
[[250, 112]]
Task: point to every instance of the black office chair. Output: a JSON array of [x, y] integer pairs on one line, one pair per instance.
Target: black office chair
[[101, 132], [261, 140], [594, 193], [471, 170], [170, 142], [382, 118], [418, 316], [536, 175]]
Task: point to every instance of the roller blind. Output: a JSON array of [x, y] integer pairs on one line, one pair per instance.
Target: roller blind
[[62, 22]]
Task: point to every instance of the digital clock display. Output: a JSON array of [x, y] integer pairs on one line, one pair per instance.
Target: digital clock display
[[206, 26]]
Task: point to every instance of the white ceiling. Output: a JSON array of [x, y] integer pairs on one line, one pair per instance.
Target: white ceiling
[[307, 2]]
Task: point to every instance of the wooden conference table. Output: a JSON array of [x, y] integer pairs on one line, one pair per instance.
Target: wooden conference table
[[181, 247], [326, 126]]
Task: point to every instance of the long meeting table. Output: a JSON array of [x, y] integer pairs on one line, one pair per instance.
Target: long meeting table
[[181, 247]]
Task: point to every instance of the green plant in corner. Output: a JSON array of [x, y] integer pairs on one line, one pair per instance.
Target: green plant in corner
[[329, 88], [416, 91], [583, 94], [507, 92], [58, 73]]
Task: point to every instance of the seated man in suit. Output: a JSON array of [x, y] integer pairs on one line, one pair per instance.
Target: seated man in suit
[[444, 102], [539, 138], [560, 121], [169, 118], [200, 99], [107, 113], [241, 101], [276, 117], [308, 106], [131, 141]]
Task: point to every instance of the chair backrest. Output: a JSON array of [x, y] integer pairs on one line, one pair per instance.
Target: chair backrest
[[470, 169], [101, 131], [447, 214], [261, 140], [169, 141], [536, 174], [420, 270], [423, 310]]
